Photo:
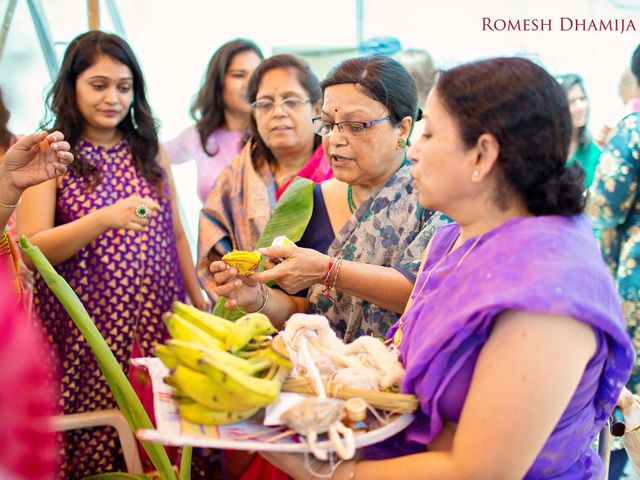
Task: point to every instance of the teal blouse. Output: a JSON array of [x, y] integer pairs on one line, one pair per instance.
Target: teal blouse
[[587, 156]]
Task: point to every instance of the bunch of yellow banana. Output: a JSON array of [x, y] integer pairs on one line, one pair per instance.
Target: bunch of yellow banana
[[221, 371]]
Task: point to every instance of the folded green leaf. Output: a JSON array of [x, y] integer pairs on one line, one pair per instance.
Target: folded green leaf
[[290, 217], [291, 214], [123, 392]]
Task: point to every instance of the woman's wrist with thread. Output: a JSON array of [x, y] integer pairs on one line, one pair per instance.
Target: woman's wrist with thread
[[327, 270], [327, 279], [338, 265]]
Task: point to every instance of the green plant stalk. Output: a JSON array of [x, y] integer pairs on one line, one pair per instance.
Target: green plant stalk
[[185, 463], [122, 390], [117, 476]]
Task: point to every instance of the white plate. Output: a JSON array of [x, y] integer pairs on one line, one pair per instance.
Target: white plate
[[171, 430]]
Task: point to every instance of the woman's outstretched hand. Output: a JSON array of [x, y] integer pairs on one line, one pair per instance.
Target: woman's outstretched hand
[[299, 268], [34, 159]]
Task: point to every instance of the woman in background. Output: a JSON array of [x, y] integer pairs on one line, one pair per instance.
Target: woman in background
[[221, 112], [583, 149], [614, 208], [7, 138]]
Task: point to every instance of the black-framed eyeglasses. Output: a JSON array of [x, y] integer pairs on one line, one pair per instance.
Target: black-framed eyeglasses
[[265, 106], [348, 128]]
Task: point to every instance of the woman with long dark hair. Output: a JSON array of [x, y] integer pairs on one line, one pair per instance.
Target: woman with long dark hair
[[221, 112], [582, 149], [111, 227], [7, 138]]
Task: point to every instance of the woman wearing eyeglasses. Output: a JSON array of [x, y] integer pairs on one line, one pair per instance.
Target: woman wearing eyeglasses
[[284, 95], [367, 232]]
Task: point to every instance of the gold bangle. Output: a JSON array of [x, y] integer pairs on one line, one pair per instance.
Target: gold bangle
[[352, 473], [265, 292], [11, 206], [335, 278]]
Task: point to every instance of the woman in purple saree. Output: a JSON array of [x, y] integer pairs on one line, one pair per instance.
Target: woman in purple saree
[[513, 340]]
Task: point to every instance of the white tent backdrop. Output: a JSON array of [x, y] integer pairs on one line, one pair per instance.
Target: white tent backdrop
[[174, 40]]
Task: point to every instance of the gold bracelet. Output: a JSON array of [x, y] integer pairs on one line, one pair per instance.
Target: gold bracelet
[[335, 278], [11, 206], [352, 473], [265, 292]]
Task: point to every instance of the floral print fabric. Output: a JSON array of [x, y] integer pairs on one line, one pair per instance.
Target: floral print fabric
[[389, 229], [614, 208]]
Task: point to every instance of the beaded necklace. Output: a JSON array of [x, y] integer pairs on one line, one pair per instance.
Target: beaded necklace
[[352, 204], [397, 336]]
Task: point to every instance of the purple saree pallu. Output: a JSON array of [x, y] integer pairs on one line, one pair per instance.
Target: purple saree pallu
[[547, 264], [126, 280]]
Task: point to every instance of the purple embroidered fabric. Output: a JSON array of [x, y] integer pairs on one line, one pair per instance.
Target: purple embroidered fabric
[[548, 264], [125, 279]]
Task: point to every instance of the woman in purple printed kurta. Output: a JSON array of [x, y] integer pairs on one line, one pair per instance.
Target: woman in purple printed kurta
[[111, 228], [125, 279], [514, 342]]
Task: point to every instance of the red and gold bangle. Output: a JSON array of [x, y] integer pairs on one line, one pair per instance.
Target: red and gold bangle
[[335, 277], [329, 268], [327, 288]]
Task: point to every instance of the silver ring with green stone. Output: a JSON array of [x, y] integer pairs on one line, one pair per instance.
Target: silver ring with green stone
[[142, 211]]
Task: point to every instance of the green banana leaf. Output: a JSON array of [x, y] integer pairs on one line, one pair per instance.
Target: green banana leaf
[[291, 214], [290, 217], [122, 390]]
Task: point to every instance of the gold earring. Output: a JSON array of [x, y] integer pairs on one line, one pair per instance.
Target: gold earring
[[402, 143]]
